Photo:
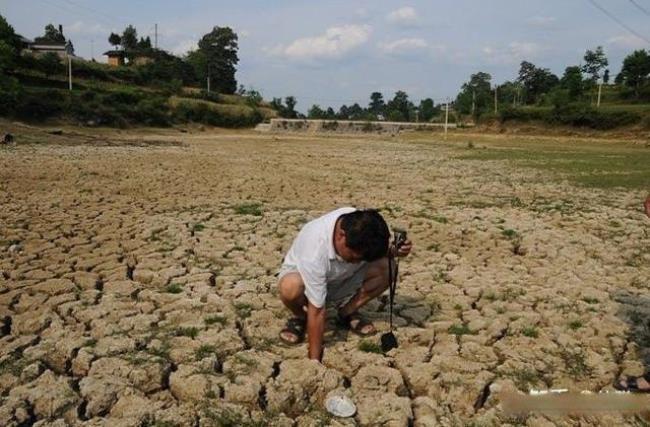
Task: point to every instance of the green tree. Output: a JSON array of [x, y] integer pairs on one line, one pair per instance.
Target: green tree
[[129, 39], [509, 93], [166, 70], [290, 111], [115, 40], [427, 110], [315, 112], [573, 83], [536, 81], [9, 45], [595, 61], [343, 113], [7, 56], [8, 35], [606, 76], [475, 95], [400, 109], [276, 103], [52, 34], [635, 71], [144, 44], [355, 112], [377, 105], [216, 59]]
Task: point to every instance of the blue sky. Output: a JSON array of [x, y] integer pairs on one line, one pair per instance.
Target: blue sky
[[338, 52]]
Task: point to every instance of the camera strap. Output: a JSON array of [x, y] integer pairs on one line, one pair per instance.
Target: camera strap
[[393, 270]]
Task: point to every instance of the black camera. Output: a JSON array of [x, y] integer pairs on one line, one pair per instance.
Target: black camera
[[399, 237]]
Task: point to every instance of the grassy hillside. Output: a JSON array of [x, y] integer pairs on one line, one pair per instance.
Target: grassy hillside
[[119, 96]]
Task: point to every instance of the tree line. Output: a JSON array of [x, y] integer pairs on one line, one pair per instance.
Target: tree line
[[534, 85], [539, 86], [398, 109]]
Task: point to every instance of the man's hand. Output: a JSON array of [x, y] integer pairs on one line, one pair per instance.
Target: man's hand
[[315, 330], [646, 205], [405, 249]]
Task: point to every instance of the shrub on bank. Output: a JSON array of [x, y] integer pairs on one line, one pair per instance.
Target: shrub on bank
[[10, 93], [575, 114], [200, 112], [121, 107]]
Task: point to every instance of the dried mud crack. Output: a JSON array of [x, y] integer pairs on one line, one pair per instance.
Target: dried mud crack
[[138, 287]]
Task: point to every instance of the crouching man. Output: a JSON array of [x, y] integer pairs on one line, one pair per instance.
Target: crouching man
[[339, 259]]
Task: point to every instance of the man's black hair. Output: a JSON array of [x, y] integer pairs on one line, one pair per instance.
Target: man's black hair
[[367, 233]]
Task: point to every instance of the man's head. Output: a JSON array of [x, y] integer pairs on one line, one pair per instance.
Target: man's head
[[362, 236]]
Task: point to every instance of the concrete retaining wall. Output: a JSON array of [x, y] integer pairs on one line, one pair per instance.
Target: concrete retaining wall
[[349, 126]]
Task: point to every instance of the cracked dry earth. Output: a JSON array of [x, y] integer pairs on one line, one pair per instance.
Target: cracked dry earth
[[137, 282]]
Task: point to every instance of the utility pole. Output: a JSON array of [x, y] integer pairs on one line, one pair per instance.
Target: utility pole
[[208, 78], [473, 101], [92, 49], [446, 117], [495, 99], [68, 52], [156, 37]]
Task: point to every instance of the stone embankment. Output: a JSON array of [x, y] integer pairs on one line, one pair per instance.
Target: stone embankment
[[350, 126]]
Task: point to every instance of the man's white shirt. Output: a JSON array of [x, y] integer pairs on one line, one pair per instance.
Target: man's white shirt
[[313, 255]]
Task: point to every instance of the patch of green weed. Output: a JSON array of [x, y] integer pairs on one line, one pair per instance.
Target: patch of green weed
[[174, 288], [254, 209], [369, 346]]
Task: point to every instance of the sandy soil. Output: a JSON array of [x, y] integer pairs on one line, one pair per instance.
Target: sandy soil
[[137, 282]]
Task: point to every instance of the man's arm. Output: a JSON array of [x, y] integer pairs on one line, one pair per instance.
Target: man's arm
[[315, 330]]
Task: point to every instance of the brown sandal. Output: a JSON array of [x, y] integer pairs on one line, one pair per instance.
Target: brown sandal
[[356, 323], [295, 326]]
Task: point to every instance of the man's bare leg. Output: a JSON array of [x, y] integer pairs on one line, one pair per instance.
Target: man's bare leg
[[292, 295], [375, 283]]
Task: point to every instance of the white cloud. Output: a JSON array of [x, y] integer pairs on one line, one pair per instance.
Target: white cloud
[[403, 16], [403, 46], [627, 41], [541, 21], [336, 42], [513, 53]]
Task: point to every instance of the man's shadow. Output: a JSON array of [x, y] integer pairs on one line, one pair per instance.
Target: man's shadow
[[635, 311], [377, 311]]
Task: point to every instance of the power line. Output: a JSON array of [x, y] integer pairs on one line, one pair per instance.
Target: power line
[[618, 21], [641, 8]]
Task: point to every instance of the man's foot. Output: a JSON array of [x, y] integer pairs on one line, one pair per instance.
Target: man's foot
[[357, 324], [634, 384], [294, 331]]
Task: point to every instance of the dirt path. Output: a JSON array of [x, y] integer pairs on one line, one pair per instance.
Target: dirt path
[[137, 282]]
